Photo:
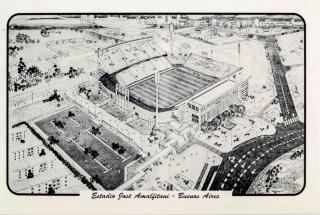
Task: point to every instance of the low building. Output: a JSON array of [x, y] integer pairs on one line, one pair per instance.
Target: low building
[[33, 168], [213, 101]]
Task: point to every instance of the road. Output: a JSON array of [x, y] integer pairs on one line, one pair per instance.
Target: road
[[242, 165], [286, 102]]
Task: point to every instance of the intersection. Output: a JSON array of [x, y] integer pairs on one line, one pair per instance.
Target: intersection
[[242, 165]]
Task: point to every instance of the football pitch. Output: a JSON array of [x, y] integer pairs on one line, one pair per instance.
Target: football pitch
[[175, 86]]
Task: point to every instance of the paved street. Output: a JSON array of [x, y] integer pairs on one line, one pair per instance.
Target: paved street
[[286, 102], [241, 166]]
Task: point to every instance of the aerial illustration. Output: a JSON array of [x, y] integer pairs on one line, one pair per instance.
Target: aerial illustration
[[156, 102]]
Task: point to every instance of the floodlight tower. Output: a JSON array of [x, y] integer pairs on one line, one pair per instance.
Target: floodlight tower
[[171, 29], [239, 53], [157, 80]]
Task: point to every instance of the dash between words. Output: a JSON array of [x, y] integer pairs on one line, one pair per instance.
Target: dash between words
[[152, 196]]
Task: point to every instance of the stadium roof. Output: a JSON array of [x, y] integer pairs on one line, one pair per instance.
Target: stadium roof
[[214, 93]]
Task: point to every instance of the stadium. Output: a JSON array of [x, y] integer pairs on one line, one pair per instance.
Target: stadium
[[129, 72]]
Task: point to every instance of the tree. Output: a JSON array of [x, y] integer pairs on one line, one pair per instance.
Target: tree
[[94, 154], [86, 150], [34, 71], [204, 126], [211, 127], [226, 114], [95, 130], [216, 121], [42, 152], [71, 114], [121, 150], [241, 109], [53, 140], [138, 156], [115, 146], [97, 179], [233, 108], [59, 124], [221, 117], [21, 66], [44, 33], [57, 70], [30, 174], [51, 190]]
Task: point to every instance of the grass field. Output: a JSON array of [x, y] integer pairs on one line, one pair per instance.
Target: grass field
[[175, 86], [76, 135]]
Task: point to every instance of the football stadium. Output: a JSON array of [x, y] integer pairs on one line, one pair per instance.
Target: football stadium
[[129, 70]]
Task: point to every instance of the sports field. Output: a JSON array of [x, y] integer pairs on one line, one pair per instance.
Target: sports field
[[175, 86], [76, 135]]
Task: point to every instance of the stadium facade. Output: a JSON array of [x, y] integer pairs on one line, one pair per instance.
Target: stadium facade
[[194, 91]]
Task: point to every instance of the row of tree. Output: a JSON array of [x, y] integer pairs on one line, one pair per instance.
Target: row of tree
[[54, 96], [220, 118], [27, 77], [84, 90], [272, 176], [13, 50], [296, 154], [31, 76], [57, 73], [24, 38]]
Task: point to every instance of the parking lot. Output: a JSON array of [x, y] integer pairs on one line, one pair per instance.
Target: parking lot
[[77, 137]]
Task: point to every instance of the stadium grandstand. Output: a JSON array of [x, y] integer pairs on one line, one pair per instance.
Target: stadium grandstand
[[133, 65], [121, 56]]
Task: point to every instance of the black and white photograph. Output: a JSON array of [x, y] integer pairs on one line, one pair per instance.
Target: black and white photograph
[[156, 102]]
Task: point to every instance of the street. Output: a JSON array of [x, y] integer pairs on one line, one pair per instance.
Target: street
[[240, 167]]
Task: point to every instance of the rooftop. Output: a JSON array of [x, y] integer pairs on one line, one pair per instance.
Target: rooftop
[[214, 93]]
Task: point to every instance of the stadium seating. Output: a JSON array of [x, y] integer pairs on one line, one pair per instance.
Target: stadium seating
[[120, 56], [142, 70], [210, 67]]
